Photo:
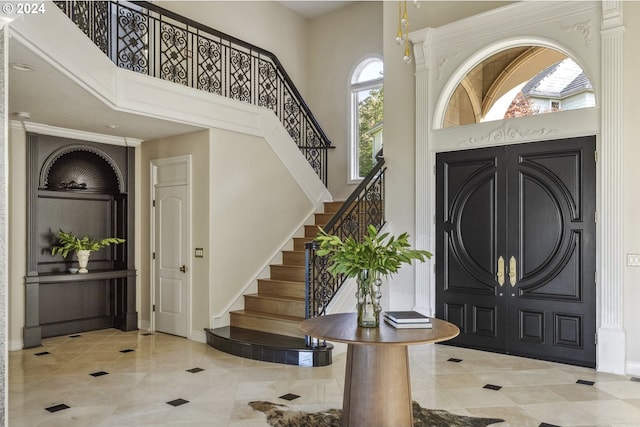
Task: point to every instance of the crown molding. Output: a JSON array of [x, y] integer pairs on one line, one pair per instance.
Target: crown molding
[[78, 134]]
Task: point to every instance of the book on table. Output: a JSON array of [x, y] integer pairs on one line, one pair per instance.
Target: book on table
[[412, 325], [407, 317]]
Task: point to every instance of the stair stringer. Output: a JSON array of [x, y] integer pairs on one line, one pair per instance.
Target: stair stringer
[[222, 318]]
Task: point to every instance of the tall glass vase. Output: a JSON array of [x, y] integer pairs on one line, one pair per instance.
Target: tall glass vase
[[368, 297]]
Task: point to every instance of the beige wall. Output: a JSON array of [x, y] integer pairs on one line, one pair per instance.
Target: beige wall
[[255, 208], [197, 145], [631, 178], [339, 41], [266, 24]]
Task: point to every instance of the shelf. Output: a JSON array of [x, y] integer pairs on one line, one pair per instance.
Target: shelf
[[79, 277]]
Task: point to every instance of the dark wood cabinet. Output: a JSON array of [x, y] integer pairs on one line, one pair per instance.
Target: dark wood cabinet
[[85, 188]]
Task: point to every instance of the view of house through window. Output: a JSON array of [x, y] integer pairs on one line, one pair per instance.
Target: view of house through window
[[519, 82], [366, 117]]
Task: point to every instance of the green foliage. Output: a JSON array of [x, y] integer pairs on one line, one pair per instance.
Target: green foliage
[[379, 254], [70, 243], [370, 114]]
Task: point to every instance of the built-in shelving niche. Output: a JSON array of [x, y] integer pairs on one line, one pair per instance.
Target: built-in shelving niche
[[86, 188]]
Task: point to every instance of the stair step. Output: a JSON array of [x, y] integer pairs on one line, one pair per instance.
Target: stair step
[[267, 347], [265, 322], [311, 231], [299, 242], [290, 273], [281, 288], [286, 306], [293, 258], [322, 218], [332, 207]]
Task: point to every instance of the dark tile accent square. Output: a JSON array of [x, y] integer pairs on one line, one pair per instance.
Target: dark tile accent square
[[178, 402], [454, 360], [75, 336], [42, 353], [585, 382], [636, 379], [289, 396], [547, 425], [56, 408], [127, 350], [195, 370], [99, 374], [492, 387]]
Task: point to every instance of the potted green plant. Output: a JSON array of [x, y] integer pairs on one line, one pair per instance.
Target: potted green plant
[[82, 246], [378, 255]]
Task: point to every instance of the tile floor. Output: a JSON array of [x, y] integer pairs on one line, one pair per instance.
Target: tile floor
[[114, 378]]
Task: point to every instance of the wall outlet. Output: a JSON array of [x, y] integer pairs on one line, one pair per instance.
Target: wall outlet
[[633, 260]]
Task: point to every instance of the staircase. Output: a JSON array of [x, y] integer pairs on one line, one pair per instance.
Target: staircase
[[268, 327]]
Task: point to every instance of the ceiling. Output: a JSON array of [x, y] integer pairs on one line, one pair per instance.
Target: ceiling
[[51, 98], [313, 9]]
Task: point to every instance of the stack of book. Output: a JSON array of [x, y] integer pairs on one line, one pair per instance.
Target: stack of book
[[407, 320]]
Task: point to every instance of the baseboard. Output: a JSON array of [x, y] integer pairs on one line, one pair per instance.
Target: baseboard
[[145, 325], [198, 336], [633, 368], [16, 344]]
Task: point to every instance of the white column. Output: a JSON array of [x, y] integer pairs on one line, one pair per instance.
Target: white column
[[424, 280], [611, 336]]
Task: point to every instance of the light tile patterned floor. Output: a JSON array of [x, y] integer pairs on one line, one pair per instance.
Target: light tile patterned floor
[[88, 380]]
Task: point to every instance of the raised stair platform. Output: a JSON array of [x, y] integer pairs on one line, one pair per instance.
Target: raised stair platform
[[267, 347]]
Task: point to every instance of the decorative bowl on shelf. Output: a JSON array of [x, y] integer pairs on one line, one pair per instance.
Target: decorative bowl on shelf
[[73, 270]]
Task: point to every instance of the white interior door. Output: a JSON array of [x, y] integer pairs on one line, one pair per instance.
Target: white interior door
[[171, 256]]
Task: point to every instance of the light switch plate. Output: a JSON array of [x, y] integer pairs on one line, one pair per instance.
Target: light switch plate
[[199, 253], [633, 260]]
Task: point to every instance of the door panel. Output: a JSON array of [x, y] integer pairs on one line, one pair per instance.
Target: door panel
[[171, 290], [470, 207], [533, 203]]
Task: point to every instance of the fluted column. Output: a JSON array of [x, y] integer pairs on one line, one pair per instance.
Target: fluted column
[[611, 337], [424, 283]]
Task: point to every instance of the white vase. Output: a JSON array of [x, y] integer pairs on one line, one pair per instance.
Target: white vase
[[83, 260]]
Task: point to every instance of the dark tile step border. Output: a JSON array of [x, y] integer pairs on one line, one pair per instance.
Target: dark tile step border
[[267, 347]]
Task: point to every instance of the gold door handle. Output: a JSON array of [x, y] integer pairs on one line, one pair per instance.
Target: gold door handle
[[183, 268], [512, 271], [500, 272]]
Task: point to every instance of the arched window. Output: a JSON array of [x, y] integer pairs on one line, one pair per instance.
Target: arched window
[[366, 117]]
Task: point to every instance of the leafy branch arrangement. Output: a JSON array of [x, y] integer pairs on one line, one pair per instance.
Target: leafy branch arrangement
[[69, 243], [374, 254]]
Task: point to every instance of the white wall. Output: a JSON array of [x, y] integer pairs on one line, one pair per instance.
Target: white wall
[[266, 24], [338, 42]]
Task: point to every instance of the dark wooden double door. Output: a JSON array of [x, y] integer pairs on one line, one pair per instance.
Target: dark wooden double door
[[516, 250]]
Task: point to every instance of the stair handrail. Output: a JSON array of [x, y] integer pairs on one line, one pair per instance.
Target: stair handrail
[[260, 74], [364, 207]]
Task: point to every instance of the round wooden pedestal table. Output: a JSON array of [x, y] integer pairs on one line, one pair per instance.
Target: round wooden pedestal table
[[377, 386]]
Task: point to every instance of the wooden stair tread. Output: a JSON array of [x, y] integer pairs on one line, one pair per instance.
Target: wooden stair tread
[[269, 316], [274, 297]]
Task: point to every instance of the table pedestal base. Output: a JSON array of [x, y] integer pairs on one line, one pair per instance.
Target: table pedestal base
[[377, 389]]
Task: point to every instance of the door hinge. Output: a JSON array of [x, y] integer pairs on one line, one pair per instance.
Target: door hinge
[[595, 216], [596, 338], [154, 308], [595, 156], [153, 203], [153, 255]]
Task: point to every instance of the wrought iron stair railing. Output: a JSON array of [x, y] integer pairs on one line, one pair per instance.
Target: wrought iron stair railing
[[364, 207], [148, 39]]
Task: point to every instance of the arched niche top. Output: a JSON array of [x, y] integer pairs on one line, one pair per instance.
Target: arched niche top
[[500, 70], [81, 168]]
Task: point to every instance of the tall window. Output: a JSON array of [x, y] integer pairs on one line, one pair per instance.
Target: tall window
[[366, 117]]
